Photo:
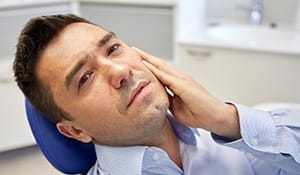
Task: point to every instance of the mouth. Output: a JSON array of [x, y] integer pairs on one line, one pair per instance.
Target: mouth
[[138, 88]]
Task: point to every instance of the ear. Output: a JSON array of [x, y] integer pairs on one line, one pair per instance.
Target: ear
[[69, 129]]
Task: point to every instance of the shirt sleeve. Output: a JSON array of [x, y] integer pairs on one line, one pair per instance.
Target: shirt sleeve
[[273, 136]]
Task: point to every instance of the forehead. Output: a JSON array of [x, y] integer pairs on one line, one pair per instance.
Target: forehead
[[74, 41], [75, 37]]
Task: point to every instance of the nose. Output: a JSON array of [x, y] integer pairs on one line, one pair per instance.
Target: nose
[[118, 72]]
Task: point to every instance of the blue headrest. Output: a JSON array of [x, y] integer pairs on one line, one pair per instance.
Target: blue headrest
[[65, 154]]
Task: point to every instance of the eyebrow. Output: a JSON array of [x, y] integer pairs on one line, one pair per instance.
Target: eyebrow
[[106, 39], [78, 66]]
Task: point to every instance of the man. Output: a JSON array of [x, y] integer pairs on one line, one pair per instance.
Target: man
[[97, 88]]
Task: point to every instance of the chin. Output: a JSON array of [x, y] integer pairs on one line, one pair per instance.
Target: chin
[[159, 111], [163, 107]]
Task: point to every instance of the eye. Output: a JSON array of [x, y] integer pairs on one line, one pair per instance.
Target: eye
[[84, 79], [113, 48]]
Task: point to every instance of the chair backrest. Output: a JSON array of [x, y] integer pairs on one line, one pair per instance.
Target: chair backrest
[[65, 154]]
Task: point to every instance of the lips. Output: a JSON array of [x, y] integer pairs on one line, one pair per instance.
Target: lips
[[136, 91]]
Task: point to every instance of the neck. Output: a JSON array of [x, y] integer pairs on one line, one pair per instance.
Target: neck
[[167, 140]]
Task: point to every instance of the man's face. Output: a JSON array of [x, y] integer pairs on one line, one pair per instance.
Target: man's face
[[101, 82]]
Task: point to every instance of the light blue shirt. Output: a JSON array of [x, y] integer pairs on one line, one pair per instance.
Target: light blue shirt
[[270, 145]]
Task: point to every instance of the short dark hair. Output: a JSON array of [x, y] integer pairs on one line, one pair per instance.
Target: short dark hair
[[33, 39]]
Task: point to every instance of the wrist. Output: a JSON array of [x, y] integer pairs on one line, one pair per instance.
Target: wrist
[[227, 123]]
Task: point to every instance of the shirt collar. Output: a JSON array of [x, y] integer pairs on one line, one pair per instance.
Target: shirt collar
[[120, 160], [115, 159], [184, 133]]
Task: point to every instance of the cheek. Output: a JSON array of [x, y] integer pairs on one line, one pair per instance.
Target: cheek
[[98, 116], [94, 104], [133, 59], [101, 100]]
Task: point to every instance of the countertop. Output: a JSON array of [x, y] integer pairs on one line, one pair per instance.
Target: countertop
[[201, 38]]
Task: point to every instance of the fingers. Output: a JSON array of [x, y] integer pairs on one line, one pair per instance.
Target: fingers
[[168, 76], [175, 84], [158, 63], [149, 58], [163, 77]]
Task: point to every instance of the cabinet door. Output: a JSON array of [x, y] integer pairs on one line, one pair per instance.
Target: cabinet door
[[144, 26], [246, 77]]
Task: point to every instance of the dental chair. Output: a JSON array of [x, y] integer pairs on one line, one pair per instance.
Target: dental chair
[[65, 154]]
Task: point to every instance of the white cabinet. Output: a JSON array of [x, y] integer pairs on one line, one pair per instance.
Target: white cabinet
[[246, 77]]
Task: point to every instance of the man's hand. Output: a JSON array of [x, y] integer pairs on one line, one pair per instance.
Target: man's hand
[[190, 103]]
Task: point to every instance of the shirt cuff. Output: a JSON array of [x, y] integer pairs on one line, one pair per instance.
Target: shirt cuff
[[257, 130]]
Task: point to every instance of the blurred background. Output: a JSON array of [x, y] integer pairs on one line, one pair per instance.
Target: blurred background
[[246, 51]]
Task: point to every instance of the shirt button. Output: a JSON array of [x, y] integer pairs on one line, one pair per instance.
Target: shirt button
[[155, 156], [254, 142]]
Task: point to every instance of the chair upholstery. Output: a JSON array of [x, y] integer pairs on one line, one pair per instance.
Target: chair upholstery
[[65, 154]]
